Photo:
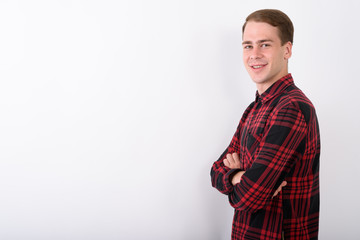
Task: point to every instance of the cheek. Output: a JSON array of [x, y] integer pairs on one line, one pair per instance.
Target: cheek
[[280, 56], [245, 58]]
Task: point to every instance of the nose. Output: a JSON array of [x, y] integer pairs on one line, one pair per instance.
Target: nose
[[255, 53]]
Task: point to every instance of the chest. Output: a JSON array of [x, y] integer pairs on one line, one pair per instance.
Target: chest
[[254, 127]]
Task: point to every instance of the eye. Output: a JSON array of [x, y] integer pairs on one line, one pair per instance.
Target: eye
[[247, 47], [264, 45]]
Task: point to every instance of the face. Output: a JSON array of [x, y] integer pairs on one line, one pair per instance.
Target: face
[[264, 57]]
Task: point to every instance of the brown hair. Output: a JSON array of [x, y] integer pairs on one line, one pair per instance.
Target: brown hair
[[275, 18]]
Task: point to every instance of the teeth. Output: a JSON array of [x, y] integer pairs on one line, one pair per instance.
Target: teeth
[[257, 66]]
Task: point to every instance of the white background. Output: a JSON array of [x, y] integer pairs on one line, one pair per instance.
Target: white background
[[112, 113]]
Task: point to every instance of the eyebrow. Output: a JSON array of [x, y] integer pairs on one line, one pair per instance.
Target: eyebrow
[[260, 41]]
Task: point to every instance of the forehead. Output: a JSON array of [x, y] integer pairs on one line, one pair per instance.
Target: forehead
[[255, 31]]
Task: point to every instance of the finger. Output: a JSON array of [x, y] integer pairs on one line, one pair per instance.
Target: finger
[[236, 157], [230, 158], [276, 193], [226, 162], [284, 183]]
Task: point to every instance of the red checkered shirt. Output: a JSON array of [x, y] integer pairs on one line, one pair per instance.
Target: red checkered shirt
[[277, 139]]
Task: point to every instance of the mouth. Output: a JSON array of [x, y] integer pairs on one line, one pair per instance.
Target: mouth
[[257, 67]]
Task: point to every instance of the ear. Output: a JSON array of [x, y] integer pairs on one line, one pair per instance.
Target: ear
[[288, 50]]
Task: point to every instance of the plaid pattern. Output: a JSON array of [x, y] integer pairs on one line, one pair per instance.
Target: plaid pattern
[[277, 139]]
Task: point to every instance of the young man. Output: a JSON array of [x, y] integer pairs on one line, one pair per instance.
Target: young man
[[270, 170]]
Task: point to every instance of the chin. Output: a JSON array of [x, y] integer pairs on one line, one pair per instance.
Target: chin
[[258, 79]]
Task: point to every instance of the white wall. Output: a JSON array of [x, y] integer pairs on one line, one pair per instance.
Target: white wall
[[112, 113]]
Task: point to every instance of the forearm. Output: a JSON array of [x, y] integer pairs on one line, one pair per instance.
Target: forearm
[[221, 177], [251, 195], [220, 173]]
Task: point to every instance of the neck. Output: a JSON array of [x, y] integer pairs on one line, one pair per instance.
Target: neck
[[262, 87]]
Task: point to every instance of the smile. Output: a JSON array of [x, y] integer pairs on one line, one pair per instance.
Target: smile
[[258, 66]]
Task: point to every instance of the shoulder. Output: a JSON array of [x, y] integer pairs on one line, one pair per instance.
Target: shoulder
[[294, 98]]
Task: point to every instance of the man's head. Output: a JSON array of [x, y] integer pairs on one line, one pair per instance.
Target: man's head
[[275, 18], [267, 45]]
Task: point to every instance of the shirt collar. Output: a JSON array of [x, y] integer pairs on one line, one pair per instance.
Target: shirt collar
[[278, 87]]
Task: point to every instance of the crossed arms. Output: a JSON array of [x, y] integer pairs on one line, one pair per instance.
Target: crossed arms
[[280, 147], [232, 161]]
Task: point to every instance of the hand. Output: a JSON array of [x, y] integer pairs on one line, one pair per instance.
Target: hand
[[237, 178], [232, 161], [283, 184]]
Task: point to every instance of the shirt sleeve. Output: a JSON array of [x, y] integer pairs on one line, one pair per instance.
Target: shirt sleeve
[[220, 174], [281, 145]]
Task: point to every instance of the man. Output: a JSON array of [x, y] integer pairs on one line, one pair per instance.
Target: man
[[270, 170]]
